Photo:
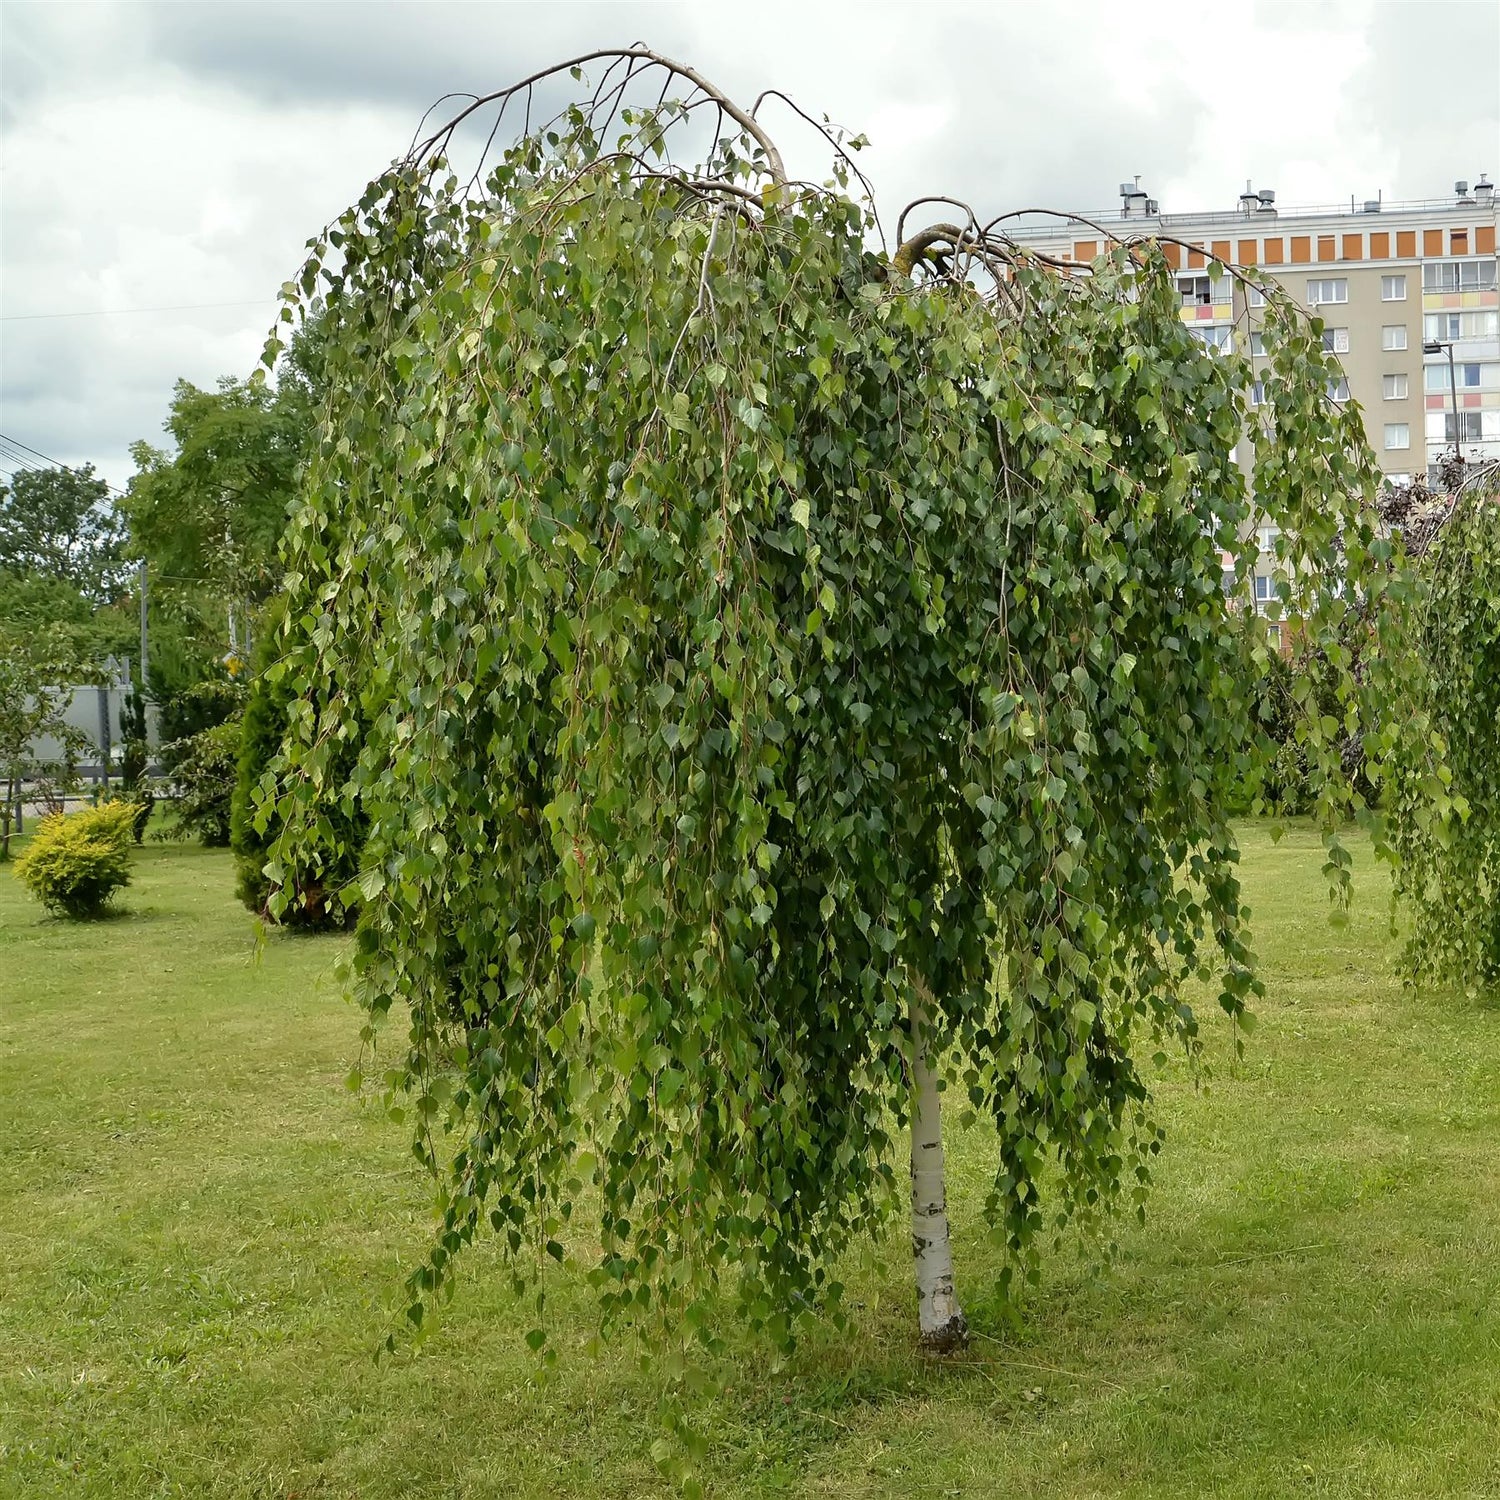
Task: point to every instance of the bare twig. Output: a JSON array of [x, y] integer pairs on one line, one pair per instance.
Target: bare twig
[[741, 117]]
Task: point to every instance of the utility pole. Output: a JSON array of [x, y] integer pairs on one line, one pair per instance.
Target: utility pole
[[140, 574]]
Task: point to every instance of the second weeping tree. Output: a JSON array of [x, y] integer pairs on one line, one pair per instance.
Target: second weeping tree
[[788, 677]]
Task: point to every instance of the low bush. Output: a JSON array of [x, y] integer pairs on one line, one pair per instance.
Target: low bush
[[75, 863]]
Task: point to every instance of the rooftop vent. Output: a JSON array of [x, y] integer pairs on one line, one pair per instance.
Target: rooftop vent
[[1249, 201], [1135, 202], [1484, 190], [1267, 198], [1372, 206], [1462, 189]]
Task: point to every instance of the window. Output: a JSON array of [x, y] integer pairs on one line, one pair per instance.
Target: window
[[1393, 336], [1393, 289], [1329, 289], [1273, 636], [1226, 580], [1338, 390], [1214, 336], [1393, 387], [1265, 537], [1454, 326], [1263, 589], [1256, 297], [1458, 275], [1257, 393], [1397, 435], [1469, 427], [1335, 340], [1398, 479], [1467, 376], [1257, 343], [1195, 291]]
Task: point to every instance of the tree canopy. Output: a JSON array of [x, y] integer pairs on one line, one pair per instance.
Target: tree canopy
[[789, 669], [209, 514], [59, 529]]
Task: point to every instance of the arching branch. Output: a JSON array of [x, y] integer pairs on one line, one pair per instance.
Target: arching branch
[[741, 117]]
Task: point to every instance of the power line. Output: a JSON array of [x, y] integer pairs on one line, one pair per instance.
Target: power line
[[24, 449], [115, 312]]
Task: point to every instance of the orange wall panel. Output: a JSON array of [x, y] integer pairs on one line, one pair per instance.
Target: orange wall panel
[[1406, 243], [1085, 249], [1484, 240], [1273, 255], [1354, 247], [1301, 249], [1247, 255], [1173, 254], [1380, 246], [1458, 242], [1195, 259], [1432, 242], [1222, 252], [1325, 247]]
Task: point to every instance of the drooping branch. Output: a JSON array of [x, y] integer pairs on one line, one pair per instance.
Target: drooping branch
[[743, 118]]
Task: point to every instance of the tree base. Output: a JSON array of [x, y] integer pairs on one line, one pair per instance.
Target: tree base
[[948, 1338]]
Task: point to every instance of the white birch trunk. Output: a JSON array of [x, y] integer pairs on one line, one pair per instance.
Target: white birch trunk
[[940, 1317]]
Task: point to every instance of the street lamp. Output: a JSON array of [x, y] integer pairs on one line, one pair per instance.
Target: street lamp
[[1436, 346]]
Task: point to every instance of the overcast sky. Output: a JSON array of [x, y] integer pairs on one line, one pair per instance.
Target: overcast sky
[[157, 157]]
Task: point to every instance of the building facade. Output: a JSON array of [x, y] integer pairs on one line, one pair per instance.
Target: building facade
[[1408, 293]]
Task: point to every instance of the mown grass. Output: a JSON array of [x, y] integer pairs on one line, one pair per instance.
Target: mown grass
[[202, 1238]]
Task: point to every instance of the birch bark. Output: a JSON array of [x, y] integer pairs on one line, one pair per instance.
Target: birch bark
[[940, 1317]]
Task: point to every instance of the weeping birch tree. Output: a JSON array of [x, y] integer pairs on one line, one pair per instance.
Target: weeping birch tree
[[793, 688], [1444, 806]]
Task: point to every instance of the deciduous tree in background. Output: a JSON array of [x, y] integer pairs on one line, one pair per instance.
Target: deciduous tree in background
[[58, 529], [36, 673], [789, 678], [209, 514]]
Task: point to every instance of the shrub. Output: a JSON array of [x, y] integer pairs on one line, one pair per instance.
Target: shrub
[[204, 773], [327, 869], [74, 864]]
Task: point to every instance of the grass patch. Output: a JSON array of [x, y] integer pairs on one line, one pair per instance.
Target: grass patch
[[202, 1238]]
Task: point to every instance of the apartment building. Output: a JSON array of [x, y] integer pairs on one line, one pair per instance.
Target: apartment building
[[1408, 293]]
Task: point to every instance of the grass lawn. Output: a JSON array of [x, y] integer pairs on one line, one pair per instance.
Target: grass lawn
[[202, 1238]]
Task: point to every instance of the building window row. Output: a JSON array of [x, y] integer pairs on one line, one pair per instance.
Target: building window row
[[1463, 427], [1198, 291], [1466, 375], [1459, 275], [1393, 288], [1393, 336], [1393, 387], [1397, 436], [1317, 249], [1454, 327], [1327, 289]]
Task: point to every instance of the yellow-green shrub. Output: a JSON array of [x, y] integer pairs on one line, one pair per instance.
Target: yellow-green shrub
[[75, 863]]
